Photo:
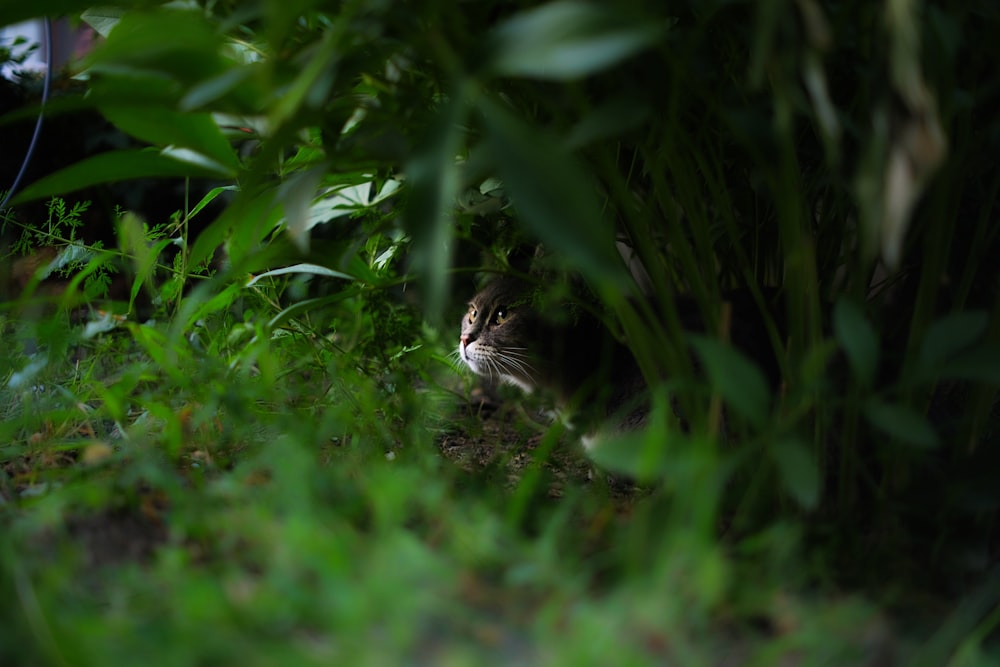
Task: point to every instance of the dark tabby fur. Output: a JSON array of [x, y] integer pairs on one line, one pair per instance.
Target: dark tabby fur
[[586, 370], [505, 338]]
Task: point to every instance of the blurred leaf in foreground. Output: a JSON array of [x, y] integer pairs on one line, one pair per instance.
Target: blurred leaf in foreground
[[859, 340], [553, 195], [566, 40]]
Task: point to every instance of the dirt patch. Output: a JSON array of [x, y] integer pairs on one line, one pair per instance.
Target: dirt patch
[[510, 435], [113, 537]]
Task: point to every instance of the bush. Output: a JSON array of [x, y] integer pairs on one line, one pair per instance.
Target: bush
[[247, 464]]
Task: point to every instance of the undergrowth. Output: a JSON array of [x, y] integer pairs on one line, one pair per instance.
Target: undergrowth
[[236, 434]]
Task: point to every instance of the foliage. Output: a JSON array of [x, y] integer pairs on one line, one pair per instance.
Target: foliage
[[249, 466]]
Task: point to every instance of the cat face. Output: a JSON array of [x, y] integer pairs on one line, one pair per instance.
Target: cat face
[[498, 334]]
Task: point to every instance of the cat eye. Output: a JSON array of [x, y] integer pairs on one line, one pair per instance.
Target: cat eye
[[500, 316], [472, 314]]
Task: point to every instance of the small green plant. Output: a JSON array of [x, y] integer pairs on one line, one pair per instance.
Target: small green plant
[[56, 242], [59, 228]]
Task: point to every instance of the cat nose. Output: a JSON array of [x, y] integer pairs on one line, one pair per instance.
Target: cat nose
[[464, 340]]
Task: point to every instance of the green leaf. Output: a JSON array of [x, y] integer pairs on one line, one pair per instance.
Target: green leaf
[[102, 19], [194, 158], [203, 300], [611, 119], [132, 238], [901, 422], [164, 127], [798, 470], [116, 166], [735, 378], [242, 225], [433, 179], [816, 362], [980, 364], [300, 307], [310, 87], [209, 197], [645, 455], [656, 453], [178, 44], [16, 12], [296, 195], [950, 335], [858, 339], [566, 40], [133, 87], [237, 79], [554, 198], [311, 269]]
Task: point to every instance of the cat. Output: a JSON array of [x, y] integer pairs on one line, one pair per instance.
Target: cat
[[507, 335], [574, 359]]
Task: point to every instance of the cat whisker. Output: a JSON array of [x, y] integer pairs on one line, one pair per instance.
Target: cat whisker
[[520, 364], [493, 368], [516, 358], [516, 367], [521, 351], [455, 359], [513, 353]]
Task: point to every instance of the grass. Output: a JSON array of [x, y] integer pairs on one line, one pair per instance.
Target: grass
[[292, 500]]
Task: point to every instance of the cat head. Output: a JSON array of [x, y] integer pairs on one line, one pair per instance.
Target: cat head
[[500, 332]]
